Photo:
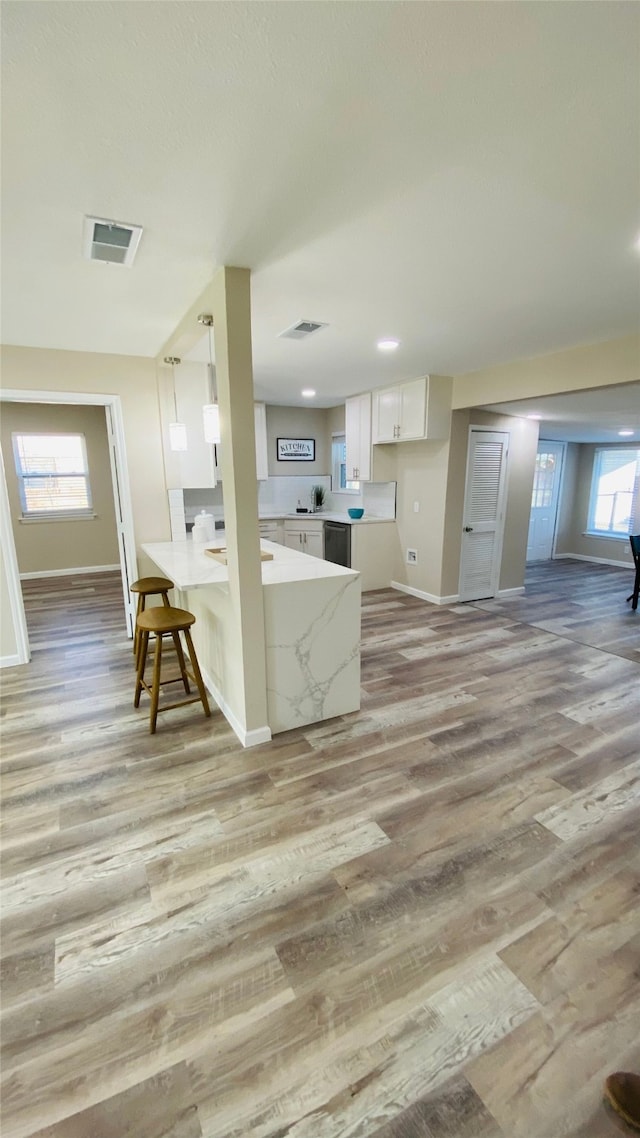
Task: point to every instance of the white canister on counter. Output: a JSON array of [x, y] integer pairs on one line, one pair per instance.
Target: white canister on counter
[[204, 527]]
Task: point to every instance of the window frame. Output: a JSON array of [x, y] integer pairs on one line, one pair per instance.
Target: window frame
[[81, 513], [339, 439], [596, 474]]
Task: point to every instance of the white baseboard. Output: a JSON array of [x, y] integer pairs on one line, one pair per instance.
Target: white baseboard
[[422, 596], [247, 738], [11, 661], [509, 592], [596, 560], [70, 572]]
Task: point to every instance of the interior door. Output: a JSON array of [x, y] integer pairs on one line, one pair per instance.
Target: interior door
[[544, 500], [125, 536], [483, 522]]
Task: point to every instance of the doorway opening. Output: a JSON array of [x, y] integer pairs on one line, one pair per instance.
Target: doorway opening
[[122, 505]]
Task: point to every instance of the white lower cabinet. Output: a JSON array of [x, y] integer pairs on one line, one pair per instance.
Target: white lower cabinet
[[273, 531], [305, 536]]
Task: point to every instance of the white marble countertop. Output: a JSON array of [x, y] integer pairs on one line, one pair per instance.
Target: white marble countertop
[[189, 567], [321, 516]]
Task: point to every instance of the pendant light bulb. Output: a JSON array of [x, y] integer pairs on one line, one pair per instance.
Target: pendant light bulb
[[210, 411]]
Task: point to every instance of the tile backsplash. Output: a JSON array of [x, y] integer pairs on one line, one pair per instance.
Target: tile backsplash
[[281, 495]]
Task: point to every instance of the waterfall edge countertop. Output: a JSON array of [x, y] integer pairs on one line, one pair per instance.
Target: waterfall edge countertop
[[189, 567]]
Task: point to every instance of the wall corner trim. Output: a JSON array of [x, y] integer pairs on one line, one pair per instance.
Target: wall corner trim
[[248, 738], [422, 596]]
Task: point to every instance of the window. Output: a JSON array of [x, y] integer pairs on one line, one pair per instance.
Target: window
[[614, 507], [339, 483], [53, 476], [543, 479]]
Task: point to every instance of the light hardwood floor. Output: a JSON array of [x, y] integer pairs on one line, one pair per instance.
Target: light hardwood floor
[[417, 921]]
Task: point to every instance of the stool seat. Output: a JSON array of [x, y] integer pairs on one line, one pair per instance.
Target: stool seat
[[152, 585], [167, 621]]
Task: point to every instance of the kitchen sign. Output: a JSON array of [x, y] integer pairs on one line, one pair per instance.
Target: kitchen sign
[[296, 450]]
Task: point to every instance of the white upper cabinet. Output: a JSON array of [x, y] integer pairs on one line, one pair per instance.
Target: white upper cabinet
[[358, 437], [198, 466], [262, 459], [418, 409]]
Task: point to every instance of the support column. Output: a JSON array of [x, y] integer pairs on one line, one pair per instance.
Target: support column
[[231, 309]]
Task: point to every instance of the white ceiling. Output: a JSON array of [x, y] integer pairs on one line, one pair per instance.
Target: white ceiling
[[593, 416], [464, 177]]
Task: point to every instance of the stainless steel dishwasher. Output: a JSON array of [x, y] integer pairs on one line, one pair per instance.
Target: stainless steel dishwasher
[[337, 543]]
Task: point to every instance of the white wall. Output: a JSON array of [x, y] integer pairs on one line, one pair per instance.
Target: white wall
[[43, 546]]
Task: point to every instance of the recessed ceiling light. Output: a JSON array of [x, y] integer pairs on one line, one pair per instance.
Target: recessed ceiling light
[[626, 433], [534, 415], [387, 345], [308, 393]]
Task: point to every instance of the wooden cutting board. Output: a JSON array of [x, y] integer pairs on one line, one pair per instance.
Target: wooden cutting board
[[219, 553]]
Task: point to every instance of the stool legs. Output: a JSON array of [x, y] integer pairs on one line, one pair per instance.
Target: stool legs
[[155, 684], [196, 672]]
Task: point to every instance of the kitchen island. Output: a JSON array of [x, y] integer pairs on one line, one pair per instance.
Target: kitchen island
[[312, 632]]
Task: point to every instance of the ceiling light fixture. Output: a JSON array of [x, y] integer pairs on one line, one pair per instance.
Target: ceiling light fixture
[[177, 430], [626, 433], [211, 410], [387, 345], [308, 393], [534, 415]]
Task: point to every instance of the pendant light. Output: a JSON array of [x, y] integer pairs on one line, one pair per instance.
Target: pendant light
[[177, 430], [210, 411]]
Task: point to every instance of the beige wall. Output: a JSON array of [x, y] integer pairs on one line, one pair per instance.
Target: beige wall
[[593, 365], [298, 423], [134, 380], [43, 546], [573, 511]]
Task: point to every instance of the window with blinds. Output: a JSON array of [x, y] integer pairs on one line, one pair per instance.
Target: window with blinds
[[614, 506], [53, 476]]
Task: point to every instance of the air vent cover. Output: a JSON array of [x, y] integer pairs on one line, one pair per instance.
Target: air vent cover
[[114, 242], [301, 330]]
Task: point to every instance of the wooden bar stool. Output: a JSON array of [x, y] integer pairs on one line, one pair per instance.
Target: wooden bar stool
[[148, 587], [167, 622]]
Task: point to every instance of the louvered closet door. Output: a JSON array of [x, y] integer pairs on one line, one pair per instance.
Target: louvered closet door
[[483, 523]]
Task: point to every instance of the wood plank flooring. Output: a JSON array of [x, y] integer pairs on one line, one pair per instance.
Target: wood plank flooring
[[417, 921]]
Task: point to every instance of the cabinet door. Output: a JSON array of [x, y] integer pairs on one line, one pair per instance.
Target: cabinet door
[[293, 539], [314, 543], [386, 416], [197, 463], [262, 460], [413, 403], [358, 437]]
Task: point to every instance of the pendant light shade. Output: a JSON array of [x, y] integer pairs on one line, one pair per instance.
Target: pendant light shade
[[177, 430], [211, 422]]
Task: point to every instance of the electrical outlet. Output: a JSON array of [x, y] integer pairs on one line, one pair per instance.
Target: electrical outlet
[[416, 507], [412, 557]]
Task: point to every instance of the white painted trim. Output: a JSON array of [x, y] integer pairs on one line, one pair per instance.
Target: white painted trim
[[509, 592], [596, 560], [16, 603], [70, 572], [121, 490], [247, 738], [422, 596]]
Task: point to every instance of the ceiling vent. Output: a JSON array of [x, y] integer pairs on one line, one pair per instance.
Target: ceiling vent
[[114, 242], [301, 330]]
